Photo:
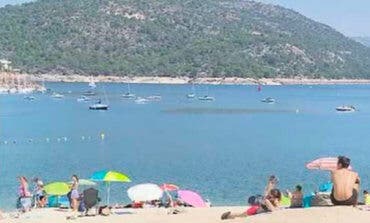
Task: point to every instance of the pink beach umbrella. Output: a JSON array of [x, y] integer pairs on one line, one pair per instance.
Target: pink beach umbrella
[[326, 163], [191, 198]]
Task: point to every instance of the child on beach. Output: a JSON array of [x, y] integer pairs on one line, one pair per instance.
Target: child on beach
[[296, 197]]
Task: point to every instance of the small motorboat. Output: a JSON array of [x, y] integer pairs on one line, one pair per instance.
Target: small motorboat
[[346, 108], [128, 95], [268, 100], [154, 98], [98, 106], [141, 101], [89, 93], [206, 98], [83, 98], [29, 98], [190, 96], [57, 95]]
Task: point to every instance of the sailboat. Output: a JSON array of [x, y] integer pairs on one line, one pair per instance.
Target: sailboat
[[99, 105], [192, 94], [92, 84], [206, 97], [128, 94]]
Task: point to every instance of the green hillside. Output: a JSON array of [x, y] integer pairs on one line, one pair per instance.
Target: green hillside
[[175, 37]]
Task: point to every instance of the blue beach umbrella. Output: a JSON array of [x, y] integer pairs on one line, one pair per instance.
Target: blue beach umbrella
[[108, 177]]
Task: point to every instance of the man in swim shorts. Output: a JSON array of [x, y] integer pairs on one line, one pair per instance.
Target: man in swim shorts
[[345, 184]]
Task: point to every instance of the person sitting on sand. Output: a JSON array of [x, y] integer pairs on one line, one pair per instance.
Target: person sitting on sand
[[345, 184], [296, 197], [39, 193], [270, 203], [366, 197]]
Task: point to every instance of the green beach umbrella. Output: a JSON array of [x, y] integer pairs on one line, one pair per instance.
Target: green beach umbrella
[[57, 188], [108, 177]]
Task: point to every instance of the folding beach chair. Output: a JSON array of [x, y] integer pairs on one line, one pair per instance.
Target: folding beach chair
[[90, 199]]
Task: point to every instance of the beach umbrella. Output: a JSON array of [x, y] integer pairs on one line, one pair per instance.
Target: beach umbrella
[[57, 188], [108, 177], [145, 192], [191, 198], [326, 163]]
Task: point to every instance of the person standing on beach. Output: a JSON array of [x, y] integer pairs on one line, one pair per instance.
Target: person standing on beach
[[24, 194], [74, 197], [346, 184]]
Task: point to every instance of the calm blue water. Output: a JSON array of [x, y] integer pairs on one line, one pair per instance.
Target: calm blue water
[[223, 149]]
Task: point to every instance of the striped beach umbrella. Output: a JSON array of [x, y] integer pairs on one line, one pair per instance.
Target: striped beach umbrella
[[326, 163], [108, 177]]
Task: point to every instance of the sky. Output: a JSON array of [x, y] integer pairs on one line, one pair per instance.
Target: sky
[[351, 17]]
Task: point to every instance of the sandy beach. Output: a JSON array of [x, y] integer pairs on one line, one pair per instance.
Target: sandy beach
[[200, 80], [202, 215]]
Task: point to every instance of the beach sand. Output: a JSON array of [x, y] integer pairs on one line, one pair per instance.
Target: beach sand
[[203, 215]]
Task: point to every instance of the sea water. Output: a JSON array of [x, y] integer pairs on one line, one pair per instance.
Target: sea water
[[223, 149]]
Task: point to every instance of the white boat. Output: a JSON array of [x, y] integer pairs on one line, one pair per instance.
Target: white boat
[[128, 94], [154, 98], [206, 98], [192, 94], [141, 100], [57, 95], [98, 106], [89, 93], [346, 108], [83, 98], [268, 100], [92, 83]]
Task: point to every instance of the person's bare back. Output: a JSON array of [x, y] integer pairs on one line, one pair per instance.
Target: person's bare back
[[344, 181], [345, 184]]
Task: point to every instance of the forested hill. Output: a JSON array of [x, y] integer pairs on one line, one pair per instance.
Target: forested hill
[[175, 37]]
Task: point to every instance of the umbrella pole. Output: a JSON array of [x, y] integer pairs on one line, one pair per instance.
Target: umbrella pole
[[108, 193]]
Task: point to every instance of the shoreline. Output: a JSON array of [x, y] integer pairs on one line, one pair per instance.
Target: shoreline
[[201, 80], [201, 215]]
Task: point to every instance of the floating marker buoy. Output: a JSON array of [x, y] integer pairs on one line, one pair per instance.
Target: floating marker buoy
[[65, 139], [102, 136]]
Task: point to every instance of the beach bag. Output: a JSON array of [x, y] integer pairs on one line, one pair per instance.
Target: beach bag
[[321, 200]]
